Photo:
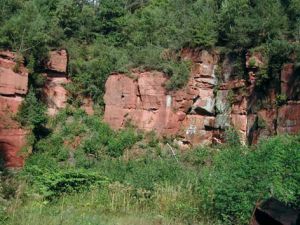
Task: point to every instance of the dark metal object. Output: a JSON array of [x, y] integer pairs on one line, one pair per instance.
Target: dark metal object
[[274, 212]]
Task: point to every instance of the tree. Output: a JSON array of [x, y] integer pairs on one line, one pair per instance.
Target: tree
[[32, 112], [26, 30], [244, 23]]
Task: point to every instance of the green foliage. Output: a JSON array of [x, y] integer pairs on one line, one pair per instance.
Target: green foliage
[[262, 77], [206, 186], [54, 183], [232, 137], [107, 36], [145, 173], [240, 177], [78, 152], [252, 63], [32, 112], [261, 123], [89, 135], [250, 23], [125, 139], [24, 37], [179, 73], [281, 99]]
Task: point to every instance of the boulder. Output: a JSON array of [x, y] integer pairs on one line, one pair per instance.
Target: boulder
[[240, 107], [13, 86], [198, 129], [233, 84], [261, 125], [199, 56], [121, 91], [222, 104], [55, 94], [151, 92], [11, 142], [200, 112], [222, 121]]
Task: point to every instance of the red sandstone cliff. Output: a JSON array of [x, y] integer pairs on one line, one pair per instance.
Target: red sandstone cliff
[[55, 95], [13, 87], [200, 111]]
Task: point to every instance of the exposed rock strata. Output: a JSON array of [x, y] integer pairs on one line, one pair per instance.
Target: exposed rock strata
[[13, 87], [209, 103], [55, 94]]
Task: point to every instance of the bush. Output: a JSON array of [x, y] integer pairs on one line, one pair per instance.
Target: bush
[[73, 133], [54, 183], [123, 140], [232, 137], [240, 177], [32, 112]]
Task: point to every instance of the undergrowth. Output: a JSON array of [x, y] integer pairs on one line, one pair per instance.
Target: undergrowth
[[85, 173]]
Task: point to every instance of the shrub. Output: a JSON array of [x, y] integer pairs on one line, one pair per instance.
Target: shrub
[[54, 183], [252, 63], [124, 139], [281, 99], [232, 137], [240, 177], [32, 112], [179, 73]]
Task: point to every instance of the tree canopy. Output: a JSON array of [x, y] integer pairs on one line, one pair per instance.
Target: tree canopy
[[116, 35]]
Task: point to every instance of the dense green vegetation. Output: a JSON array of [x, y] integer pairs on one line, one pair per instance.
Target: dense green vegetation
[[117, 35], [83, 172]]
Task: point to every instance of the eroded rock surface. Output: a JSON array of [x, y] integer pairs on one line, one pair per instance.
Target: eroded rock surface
[[141, 100], [58, 61], [200, 112], [13, 74], [13, 87], [288, 120], [144, 101], [55, 94]]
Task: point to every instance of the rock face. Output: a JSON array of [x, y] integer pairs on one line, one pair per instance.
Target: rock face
[[290, 82], [267, 116], [142, 101], [13, 75], [200, 112], [58, 61], [55, 94], [13, 87], [288, 120], [12, 136]]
